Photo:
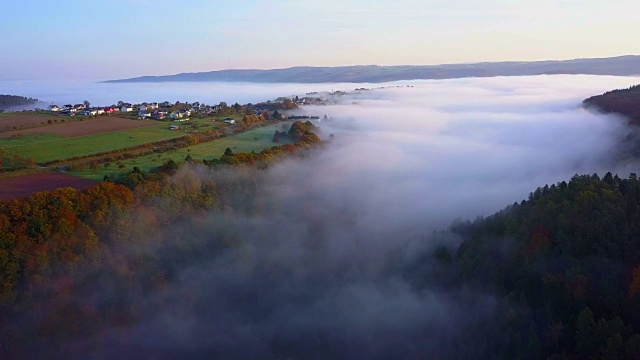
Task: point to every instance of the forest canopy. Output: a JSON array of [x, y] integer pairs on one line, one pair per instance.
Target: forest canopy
[[566, 265]]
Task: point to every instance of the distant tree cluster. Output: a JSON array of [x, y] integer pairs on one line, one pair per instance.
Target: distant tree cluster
[[7, 101], [248, 121]]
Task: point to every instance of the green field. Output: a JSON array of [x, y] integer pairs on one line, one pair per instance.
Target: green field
[[47, 147], [255, 139], [30, 140]]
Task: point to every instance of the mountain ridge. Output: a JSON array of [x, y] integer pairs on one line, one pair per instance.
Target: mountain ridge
[[625, 65]]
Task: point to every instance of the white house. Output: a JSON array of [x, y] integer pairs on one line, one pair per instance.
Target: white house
[[99, 111], [54, 108], [144, 114], [91, 112], [126, 109], [149, 107], [176, 115]]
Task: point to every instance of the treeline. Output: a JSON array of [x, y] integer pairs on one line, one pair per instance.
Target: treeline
[[622, 101], [565, 265], [12, 162], [7, 101]]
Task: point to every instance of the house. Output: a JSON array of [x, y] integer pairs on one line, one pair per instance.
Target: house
[[99, 111], [90, 112], [54, 108], [126, 109], [158, 115], [229, 121], [148, 107], [110, 110], [176, 115], [144, 114], [68, 107], [78, 107]]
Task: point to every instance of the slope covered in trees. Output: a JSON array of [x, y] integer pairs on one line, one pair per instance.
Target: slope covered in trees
[[623, 101], [74, 264], [565, 265], [7, 101]]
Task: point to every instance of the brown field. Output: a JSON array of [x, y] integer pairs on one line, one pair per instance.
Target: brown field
[[89, 126], [24, 120], [23, 186]]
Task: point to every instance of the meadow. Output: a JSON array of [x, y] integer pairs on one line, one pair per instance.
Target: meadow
[[251, 140], [48, 147]]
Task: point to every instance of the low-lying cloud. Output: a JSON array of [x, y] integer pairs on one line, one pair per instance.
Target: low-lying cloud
[[463, 148], [321, 273]]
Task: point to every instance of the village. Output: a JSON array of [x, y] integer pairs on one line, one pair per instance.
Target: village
[[179, 111]]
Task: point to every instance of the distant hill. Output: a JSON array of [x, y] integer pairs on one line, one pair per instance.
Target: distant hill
[[10, 101], [622, 65], [623, 101]]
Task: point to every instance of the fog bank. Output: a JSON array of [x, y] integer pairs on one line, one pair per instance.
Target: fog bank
[[439, 150]]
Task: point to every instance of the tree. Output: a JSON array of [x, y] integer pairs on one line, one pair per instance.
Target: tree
[[585, 329], [228, 152], [169, 166], [86, 103]]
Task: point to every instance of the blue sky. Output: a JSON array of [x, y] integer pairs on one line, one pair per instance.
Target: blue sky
[[112, 39]]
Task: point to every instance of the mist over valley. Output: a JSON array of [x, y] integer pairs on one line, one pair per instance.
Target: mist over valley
[[329, 253]]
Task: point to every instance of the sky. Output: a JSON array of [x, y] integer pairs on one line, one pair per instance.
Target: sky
[[101, 40]]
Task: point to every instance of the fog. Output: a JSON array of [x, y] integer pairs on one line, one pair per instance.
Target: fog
[[321, 272], [103, 94], [439, 150]]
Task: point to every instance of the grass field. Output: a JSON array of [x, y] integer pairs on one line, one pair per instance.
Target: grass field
[[28, 140], [255, 139], [47, 147]]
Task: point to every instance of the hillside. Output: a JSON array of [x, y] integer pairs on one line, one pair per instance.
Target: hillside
[[623, 101], [8, 101], [565, 265], [622, 66]]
